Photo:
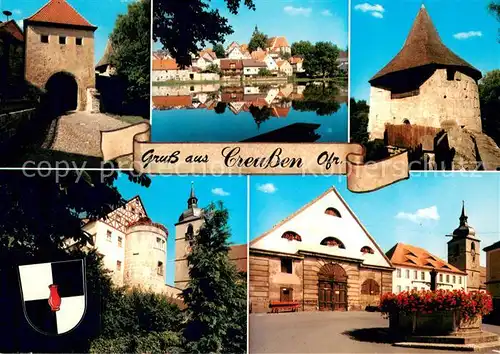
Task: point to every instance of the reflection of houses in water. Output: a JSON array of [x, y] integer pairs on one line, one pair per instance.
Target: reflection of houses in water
[[237, 99]]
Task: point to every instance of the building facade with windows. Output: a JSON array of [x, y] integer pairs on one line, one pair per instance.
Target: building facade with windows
[[321, 257], [413, 266], [133, 246]]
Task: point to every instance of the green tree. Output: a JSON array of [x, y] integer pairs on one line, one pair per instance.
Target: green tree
[[322, 60], [131, 55], [184, 27], [285, 55], [220, 107], [137, 321], [265, 72], [216, 293], [489, 96], [258, 40], [302, 48], [359, 121], [494, 8], [212, 68], [219, 50]]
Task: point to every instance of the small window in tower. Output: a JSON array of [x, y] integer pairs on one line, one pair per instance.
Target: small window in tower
[[44, 38], [406, 122], [120, 241], [159, 268], [62, 40], [286, 265], [158, 242], [118, 265], [450, 74], [79, 41], [108, 235]]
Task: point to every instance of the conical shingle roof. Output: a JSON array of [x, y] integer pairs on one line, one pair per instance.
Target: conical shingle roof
[[423, 46], [60, 12], [105, 60]]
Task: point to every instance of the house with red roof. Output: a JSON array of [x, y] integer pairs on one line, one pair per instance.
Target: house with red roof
[[277, 46], [59, 58]]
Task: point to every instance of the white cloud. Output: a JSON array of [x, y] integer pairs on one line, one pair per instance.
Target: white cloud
[[326, 13], [267, 188], [366, 7], [220, 191], [430, 213], [466, 35], [297, 11], [376, 10]]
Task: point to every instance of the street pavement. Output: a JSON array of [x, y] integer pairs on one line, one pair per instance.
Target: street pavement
[[326, 332]]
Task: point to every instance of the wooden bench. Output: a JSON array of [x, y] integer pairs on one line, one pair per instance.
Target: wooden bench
[[283, 306]]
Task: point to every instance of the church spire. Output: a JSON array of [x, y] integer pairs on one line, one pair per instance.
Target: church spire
[[192, 201], [463, 217]]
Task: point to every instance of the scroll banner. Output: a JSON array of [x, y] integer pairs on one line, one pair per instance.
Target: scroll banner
[[134, 142]]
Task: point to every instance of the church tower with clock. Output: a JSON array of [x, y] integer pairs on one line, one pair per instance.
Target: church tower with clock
[[188, 225], [463, 252]]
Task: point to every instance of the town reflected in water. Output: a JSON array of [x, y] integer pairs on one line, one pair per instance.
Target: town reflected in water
[[313, 112]]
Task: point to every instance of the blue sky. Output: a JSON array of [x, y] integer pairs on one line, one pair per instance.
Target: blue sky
[[100, 13], [419, 211], [166, 199], [312, 20], [377, 36]]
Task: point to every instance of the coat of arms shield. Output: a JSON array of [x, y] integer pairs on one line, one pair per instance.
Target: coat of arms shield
[[54, 295]]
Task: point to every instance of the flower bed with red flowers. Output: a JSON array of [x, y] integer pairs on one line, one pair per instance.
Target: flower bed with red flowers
[[467, 304]]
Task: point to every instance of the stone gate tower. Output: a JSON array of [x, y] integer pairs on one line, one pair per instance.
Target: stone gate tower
[[464, 252], [189, 223], [59, 54], [425, 84]]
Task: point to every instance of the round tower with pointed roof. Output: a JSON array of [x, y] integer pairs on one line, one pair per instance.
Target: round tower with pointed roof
[[188, 225], [59, 55], [425, 84], [464, 251]]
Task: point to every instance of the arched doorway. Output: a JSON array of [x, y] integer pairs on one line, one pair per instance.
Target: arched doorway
[[332, 288], [62, 92]]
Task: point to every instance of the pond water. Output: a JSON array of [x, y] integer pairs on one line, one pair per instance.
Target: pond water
[[316, 112]]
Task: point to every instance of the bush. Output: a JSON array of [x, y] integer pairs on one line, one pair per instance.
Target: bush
[[469, 304], [154, 342]]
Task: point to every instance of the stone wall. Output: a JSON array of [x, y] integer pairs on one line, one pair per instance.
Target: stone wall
[[10, 123], [383, 279], [439, 102], [142, 255], [45, 59], [258, 287]]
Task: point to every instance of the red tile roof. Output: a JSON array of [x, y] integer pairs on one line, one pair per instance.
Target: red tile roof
[[172, 101], [253, 63], [225, 64], [280, 112], [275, 43], [12, 29], [416, 257], [259, 55], [238, 254], [165, 64], [60, 12]]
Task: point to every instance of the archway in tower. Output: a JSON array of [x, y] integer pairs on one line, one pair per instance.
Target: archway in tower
[[62, 92]]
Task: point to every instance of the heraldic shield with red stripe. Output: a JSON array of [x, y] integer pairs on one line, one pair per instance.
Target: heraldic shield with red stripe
[[54, 295]]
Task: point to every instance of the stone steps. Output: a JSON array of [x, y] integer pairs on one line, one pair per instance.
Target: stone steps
[[477, 347], [465, 338]]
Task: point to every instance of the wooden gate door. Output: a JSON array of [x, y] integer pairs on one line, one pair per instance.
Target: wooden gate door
[[340, 297], [325, 293]]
